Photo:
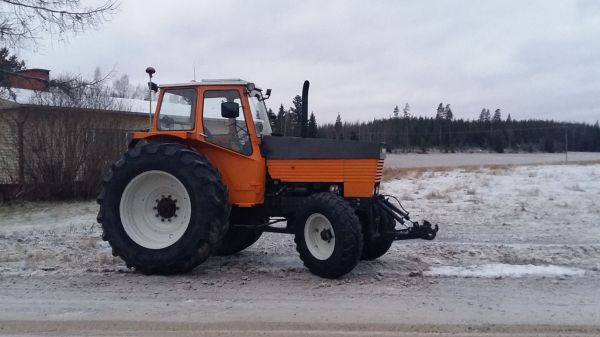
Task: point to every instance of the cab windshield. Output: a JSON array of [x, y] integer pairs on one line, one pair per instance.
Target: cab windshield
[[259, 114]]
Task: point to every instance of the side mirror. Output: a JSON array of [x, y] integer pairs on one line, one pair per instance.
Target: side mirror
[[230, 110], [267, 95], [153, 86]]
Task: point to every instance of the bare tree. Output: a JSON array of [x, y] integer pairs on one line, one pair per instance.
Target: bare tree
[[67, 153], [121, 87], [23, 21], [74, 91], [140, 92]]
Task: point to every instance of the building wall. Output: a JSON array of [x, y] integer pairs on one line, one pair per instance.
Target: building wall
[[38, 121], [8, 164]]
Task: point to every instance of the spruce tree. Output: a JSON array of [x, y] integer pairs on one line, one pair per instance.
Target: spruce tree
[[497, 116], [296, 116], [440, 112], [482, 116], [338, 127], [280, 126], [396, 112], [406, 111], [312, 126], [448, 112]]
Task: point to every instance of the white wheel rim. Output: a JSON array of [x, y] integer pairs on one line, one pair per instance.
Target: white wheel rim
[[319, 243], [155, 209]]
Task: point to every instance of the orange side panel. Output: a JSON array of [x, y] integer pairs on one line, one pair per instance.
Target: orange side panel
[[243, 176], [358, 175]]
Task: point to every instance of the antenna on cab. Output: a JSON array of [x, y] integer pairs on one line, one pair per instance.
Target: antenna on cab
[[151, 87]]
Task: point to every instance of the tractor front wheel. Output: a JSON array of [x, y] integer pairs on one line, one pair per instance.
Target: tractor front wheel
[[378, 246], [328, 235]]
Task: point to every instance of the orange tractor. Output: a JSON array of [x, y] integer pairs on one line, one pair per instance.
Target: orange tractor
[[209, 177]]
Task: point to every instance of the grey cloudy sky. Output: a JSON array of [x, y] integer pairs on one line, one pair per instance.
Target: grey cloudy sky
[[532, 59]]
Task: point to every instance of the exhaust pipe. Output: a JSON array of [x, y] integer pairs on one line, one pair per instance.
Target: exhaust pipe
[[304, 117]]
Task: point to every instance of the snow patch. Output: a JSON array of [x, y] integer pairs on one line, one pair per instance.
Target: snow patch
[[503, 270]]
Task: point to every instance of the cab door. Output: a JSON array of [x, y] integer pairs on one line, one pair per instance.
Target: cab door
[[231, 142]]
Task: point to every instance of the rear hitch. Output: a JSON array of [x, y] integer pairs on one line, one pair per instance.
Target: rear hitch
[[425, 231]]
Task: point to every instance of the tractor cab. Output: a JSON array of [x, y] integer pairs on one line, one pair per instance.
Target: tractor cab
[[224, 112], [224, 120]]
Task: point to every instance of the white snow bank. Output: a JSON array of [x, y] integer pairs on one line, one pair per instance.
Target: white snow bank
[[503, 270]]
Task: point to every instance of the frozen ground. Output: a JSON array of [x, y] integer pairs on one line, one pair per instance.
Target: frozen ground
[[518, 249], [412, 160]]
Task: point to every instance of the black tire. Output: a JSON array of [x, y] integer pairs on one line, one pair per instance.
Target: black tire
[[376, 247], [237, 239], [209, 212], [346, 230]]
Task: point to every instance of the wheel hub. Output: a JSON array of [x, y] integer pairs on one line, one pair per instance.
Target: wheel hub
[[319, 236], [326, 235], [155, 209], [166, 208]]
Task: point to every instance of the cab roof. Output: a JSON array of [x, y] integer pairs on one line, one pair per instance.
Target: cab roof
[[225, 81]]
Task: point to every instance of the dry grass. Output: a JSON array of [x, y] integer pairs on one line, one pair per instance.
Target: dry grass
[[418, 172], [88, 243], [5, 258], [576, 188], [395, 173], [434, 195]]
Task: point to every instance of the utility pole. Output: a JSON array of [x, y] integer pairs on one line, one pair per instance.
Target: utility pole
[[566, 145]]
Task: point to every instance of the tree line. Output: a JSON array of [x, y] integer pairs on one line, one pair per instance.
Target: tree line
[[288, 122], [492, 132]]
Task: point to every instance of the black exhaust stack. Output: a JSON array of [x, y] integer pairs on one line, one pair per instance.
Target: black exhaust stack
[[304, 117]]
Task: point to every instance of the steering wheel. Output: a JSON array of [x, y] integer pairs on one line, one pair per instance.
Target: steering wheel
[[240, 145], [167, 122]]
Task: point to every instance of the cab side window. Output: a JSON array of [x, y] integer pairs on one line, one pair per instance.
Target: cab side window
[[177, 109], [228, 130]]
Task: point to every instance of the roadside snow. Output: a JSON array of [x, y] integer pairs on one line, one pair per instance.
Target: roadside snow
[[413, 160], [521, 216], [496, 270]]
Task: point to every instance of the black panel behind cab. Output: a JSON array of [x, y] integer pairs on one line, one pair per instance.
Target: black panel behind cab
[[318, 148]]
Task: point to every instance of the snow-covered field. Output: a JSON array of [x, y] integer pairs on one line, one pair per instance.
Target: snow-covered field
[[412, 160], [525, 216], [520, 231]]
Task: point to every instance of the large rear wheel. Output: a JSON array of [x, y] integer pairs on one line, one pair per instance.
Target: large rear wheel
[[328, 235], [238, 239], [163, 208]]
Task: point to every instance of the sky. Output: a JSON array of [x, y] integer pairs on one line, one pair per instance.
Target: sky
[[531, 59]]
